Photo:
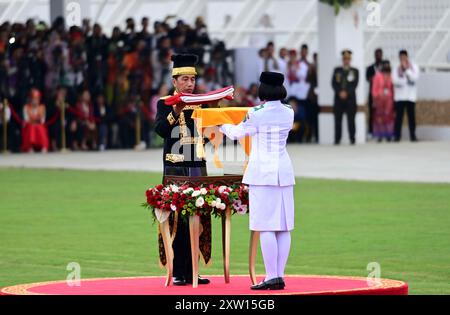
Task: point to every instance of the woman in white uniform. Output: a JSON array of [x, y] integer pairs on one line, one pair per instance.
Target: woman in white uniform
[[270, 176]]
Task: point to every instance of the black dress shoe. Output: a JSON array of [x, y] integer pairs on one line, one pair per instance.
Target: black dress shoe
[[200, 280], [272, 284], [179, 281]]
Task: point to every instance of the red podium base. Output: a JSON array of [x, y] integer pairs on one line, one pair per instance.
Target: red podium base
[[239, 285]]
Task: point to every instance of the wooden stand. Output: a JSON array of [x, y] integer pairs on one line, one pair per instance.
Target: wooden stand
[[194, 226], [5, 127], [226, 240], [167, 240], [254, 238], [194, 231]]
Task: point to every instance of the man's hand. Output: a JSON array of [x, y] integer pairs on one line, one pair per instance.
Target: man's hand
[[405, 65], [91, 125], [177, 108], [343, 95], [73, 126]]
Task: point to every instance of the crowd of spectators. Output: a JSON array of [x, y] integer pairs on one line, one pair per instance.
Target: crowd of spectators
[[79, 88], [103, 82]]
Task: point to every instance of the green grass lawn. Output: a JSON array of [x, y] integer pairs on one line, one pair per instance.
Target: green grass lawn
[[49, 218]]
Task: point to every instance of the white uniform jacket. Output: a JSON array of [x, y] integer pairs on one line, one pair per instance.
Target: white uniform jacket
[[268, 125], [405, 83]]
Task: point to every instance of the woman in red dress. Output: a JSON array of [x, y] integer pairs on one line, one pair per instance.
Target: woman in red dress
[[383, 104], [34, 132]]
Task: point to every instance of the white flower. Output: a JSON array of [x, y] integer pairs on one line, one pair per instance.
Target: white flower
[[222, 189], [213, 204], [203, 191], [222, 206], [174, 188], [173, 207], [199, 202], [196, 193], [218, 200], [188, 190]]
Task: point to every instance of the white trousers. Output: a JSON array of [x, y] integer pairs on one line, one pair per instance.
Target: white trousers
[[275, 247]]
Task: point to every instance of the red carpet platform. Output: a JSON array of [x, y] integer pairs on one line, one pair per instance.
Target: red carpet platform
[[239, 285]]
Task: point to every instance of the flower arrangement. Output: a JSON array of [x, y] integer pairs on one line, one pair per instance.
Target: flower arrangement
[[189, 201]]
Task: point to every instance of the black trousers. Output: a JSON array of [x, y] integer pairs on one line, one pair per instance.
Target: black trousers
[[350, 110], [370, 113], [182, 260], [411, 112], [312, 118]]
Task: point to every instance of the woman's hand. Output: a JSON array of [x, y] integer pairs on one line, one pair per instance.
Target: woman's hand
[[214, 104]]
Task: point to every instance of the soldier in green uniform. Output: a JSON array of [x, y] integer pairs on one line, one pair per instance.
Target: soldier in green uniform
[[345, 82], [182, 157]]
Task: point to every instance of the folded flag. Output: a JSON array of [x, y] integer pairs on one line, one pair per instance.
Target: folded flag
[[207, 120], [197, 99], [208, 117]]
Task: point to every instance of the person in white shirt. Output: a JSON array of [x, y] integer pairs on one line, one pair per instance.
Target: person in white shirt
[[269, 62], [283, 57], [298, 87], [270, 176], [405, 79], [297, 72]]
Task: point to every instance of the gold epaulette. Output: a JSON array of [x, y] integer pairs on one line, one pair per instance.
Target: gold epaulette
[[174, 158], [165, 97]]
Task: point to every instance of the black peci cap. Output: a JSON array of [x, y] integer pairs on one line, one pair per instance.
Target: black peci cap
[[346, 53], [184, 60], [184, 64], [272, 78]]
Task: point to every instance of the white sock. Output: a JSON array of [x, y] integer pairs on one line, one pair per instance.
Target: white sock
[[284, 246], [269, 249]]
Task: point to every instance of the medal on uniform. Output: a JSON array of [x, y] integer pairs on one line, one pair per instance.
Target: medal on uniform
[[350, 76]]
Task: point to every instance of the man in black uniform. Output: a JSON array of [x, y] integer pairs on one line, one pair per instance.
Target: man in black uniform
[[182, 157], [345, 81]]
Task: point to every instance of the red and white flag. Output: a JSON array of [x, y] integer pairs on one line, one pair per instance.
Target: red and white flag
[[196, 99]]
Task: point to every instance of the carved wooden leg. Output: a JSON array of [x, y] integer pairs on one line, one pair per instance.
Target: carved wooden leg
[[167, 240], [226, 238], [194, 230], [254, 239]]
